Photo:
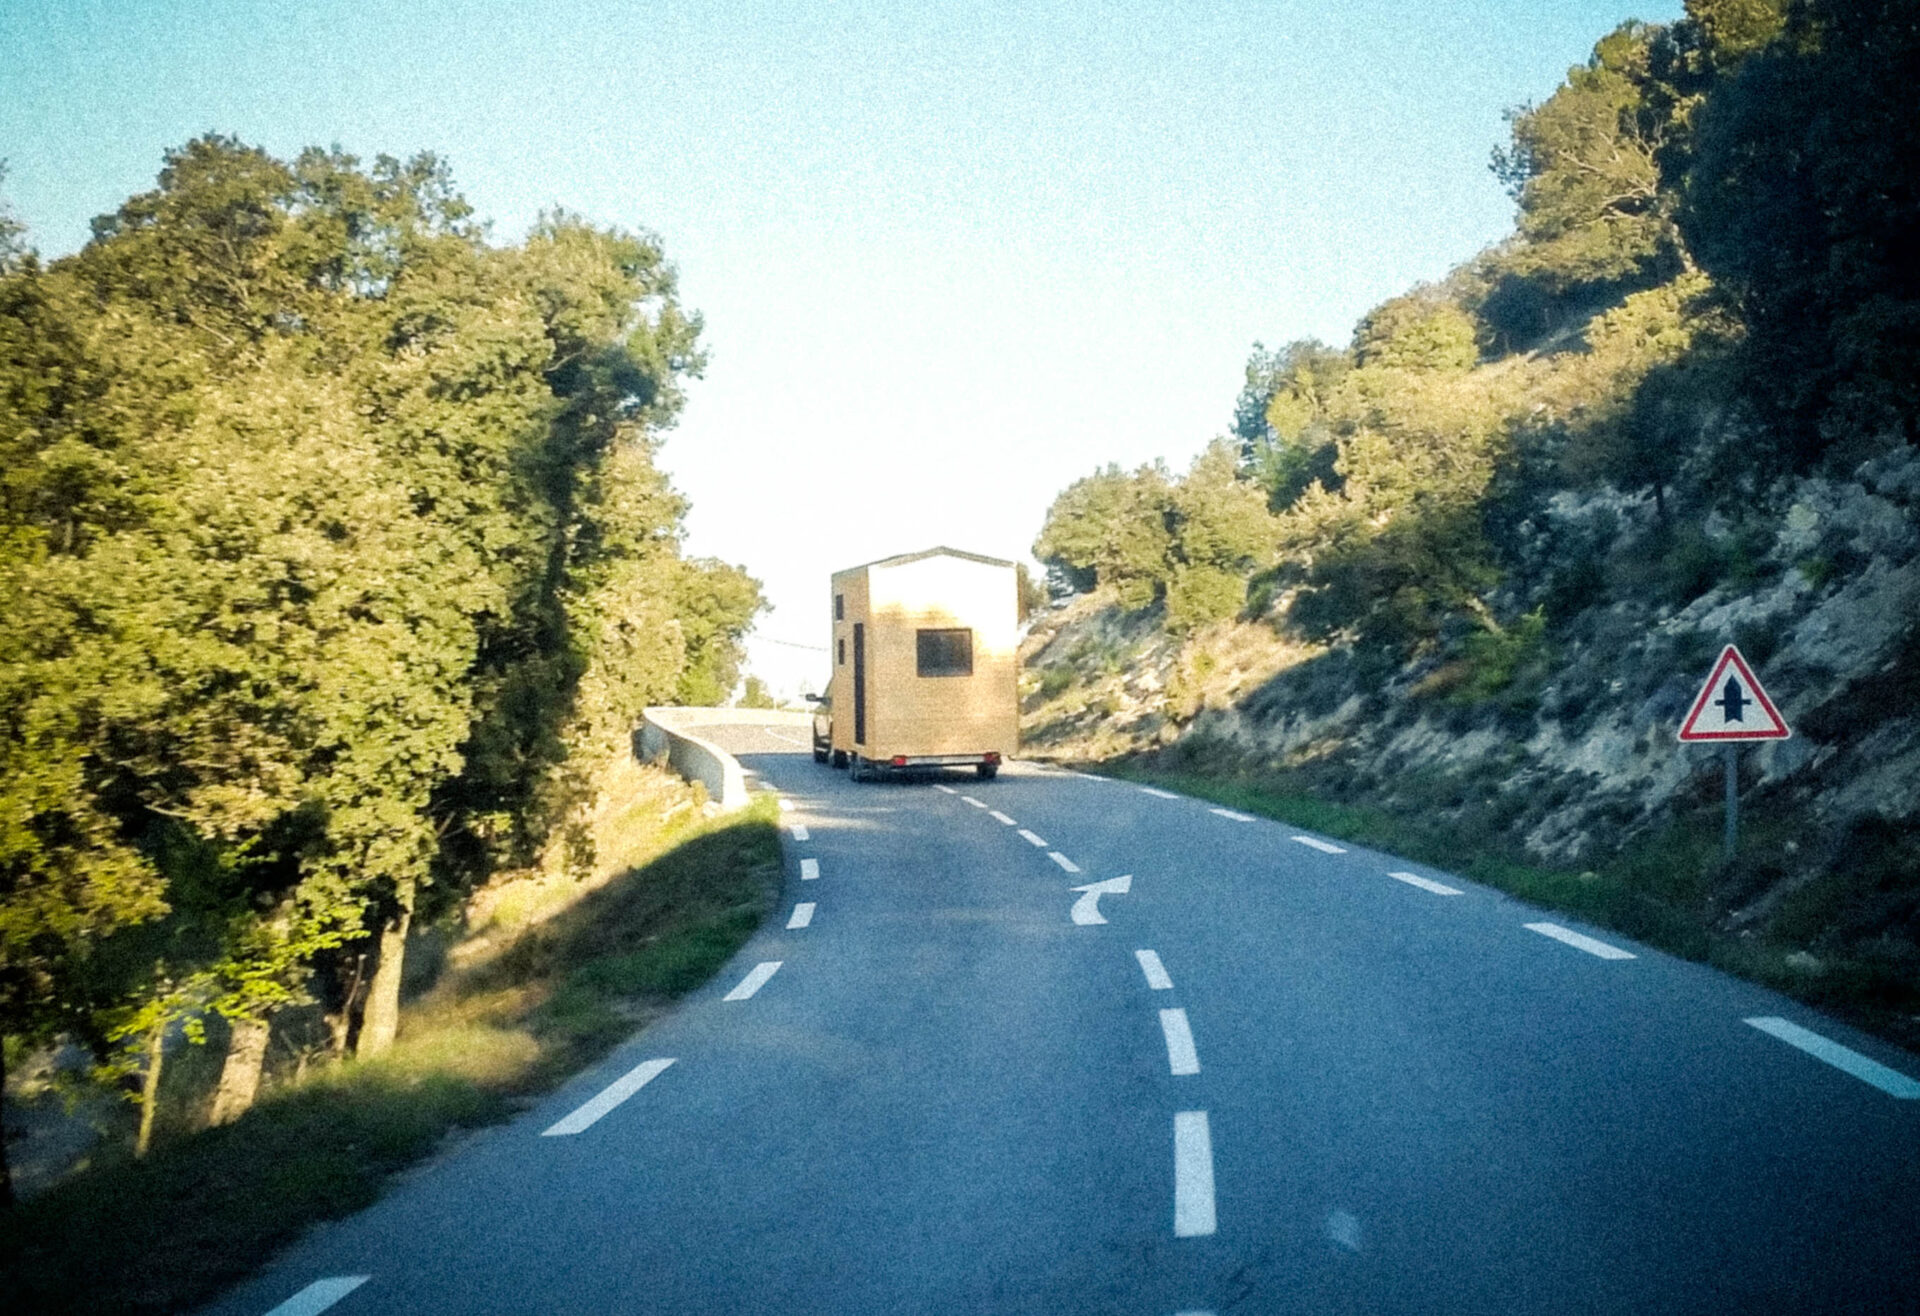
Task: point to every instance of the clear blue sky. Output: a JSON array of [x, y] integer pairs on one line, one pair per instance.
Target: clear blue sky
[[968, 252]]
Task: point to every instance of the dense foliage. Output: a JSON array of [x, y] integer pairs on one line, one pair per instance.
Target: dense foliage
[[1712, 282], [332, 557]]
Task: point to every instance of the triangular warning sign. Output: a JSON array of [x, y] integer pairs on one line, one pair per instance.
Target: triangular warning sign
[[1732, 706]]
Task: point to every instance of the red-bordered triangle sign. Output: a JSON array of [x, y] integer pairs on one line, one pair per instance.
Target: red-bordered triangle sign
[[1732, 706]]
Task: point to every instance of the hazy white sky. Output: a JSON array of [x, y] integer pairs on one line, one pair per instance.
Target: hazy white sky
[[951, 256]]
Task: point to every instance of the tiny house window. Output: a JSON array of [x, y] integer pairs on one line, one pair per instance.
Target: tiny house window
[[839, 607], [842, 642], [944, 653]]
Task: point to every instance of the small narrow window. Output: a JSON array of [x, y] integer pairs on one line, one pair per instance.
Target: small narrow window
[[944, 653], [839, 607], [842, 642]]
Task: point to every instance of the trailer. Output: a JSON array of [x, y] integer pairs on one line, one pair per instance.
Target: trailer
[[924, 670]]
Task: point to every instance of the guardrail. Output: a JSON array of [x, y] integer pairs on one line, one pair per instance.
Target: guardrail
[[674, 734]]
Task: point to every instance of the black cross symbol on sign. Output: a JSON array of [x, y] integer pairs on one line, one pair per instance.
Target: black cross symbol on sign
[[1733, 700]]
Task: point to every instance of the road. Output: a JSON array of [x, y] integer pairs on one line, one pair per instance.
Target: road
[[1266, 1073]]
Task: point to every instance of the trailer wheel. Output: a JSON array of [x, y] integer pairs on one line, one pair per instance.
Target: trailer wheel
[[839, 758], [987, 771]]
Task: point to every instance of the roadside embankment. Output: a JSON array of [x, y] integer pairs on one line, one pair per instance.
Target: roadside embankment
[[544, 974]]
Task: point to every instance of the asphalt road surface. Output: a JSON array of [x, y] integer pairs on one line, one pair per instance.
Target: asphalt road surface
[[1059, 1044]]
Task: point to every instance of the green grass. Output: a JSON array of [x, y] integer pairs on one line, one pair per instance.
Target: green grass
[[1655, 892], [170, 1232]]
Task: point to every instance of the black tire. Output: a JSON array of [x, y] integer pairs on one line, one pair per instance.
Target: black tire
[[839, 758], [819, 756], [987, 771]]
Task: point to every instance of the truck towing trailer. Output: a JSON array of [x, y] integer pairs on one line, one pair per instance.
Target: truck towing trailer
[[924, 668]]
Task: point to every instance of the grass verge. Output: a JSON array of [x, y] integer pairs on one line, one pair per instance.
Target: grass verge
[[1652, 892], [542, 996]]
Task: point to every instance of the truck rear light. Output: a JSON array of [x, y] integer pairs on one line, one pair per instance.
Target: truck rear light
[[899, 760], [993, 758]]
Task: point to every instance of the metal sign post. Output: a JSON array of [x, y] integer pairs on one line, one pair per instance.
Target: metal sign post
[[1731, 707], [1732, 837]]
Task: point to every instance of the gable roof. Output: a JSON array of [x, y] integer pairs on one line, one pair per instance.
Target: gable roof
[[902, 559]]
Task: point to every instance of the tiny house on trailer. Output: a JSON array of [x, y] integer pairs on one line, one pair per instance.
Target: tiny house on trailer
[[923, 663]]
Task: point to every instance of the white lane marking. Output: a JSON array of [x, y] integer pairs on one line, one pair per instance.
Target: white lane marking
[[802, 914], [1425, 884], [800, 832], [319, 1295], [1063, 861], [1031, 839], [1343, 1227], [1193, 1312], [975, 803], [1181, 1057], [946, 789], [1316, 843], [786, 805], [1192, 1175], [1575, 939], [754, 981], [1000, 817], [809, 869], [1086, 910], [1157, 793], [615, 1092], [1156, 971], [1230, 814], [788, 739], [1890, 1081]]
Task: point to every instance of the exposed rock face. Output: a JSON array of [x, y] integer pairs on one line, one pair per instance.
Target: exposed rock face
[[1578, 754]]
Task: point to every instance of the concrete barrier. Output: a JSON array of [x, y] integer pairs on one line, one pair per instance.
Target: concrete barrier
[[673, 734]]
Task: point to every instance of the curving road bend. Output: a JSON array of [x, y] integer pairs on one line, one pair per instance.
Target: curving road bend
[[1058, 1044]]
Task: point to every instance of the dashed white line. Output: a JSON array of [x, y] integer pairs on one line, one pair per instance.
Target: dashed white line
[[319, 1295], [1031, 839], [786, 805], [1156, 972], [1890, 1081], [802, 914], [1063, 861], [975, 803], [800, 832], [1315, 843], [1192, 1175], [1230, 814], [754, 981], [1157, 793], [614, 1093], [1425, 884], [1580, 942], [809, 870], [946, 790], [1000, 817], [1181, 1056]]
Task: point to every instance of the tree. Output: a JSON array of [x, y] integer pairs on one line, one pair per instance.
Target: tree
[[332, 550], [1802, 202], [718, 603], [1292, 444]]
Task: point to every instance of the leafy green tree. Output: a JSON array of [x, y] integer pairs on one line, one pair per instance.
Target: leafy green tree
[[1584, 167], [718, 604], [332, 550], [1110, 529], [1292, 444], [1802, 202], [1220, 532]]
